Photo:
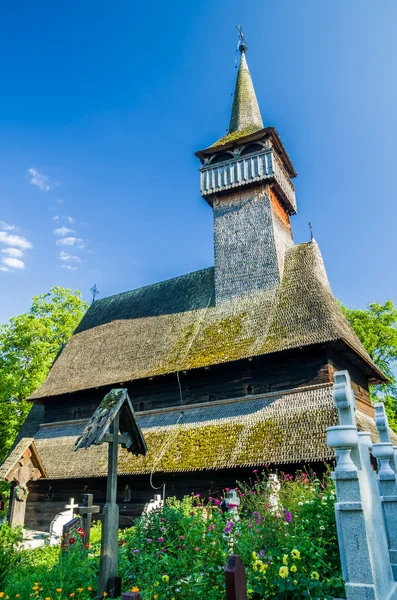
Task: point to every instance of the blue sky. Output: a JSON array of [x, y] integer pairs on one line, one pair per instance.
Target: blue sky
[[103, 104]]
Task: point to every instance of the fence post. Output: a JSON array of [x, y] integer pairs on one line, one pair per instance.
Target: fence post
[[236, 586], [131, 596]]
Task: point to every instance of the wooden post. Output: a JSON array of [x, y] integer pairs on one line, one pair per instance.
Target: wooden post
[[131, 596], [108, 565], [236, 585]]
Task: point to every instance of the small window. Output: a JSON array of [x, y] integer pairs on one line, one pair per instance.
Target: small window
[[250, 389], [251, 148], [222, 157]]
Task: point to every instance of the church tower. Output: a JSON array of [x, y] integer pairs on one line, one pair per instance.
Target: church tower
[[246, 179]]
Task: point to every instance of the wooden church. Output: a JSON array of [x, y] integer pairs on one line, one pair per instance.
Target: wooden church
[[229, 368]]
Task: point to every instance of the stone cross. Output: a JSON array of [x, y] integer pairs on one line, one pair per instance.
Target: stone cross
[[86, 511], [384, 452], [232, 502], [71, 506], [360, 523]]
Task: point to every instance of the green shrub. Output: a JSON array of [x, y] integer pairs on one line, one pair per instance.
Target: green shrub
[[10, 540]]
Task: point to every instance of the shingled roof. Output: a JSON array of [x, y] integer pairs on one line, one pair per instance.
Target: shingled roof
[[175, 325], [274, 428]]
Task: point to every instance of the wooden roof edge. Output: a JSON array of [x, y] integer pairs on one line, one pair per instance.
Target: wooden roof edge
[[40, 464]]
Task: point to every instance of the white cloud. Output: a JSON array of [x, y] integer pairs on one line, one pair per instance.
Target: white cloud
[[59, 201], [6, 227], [71, 241], [13, 252], [69, 257], [63, 231], [3, 269], [56, 219], [14, 263], [39, 180], [69, 268], [15, 240], [70, 219]]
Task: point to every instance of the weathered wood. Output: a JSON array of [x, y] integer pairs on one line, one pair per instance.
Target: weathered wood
[[86, 511], [235, 580], [131, 596]]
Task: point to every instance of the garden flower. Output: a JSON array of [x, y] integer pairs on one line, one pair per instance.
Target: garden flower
[[105, 594], [59, 590], [285, 559], [196, 549], [296, 554], [288, 517], [283, 572], [229, 527], [181, 537], [2, 594], [165, 578], [17, 595], [72, 595], [48, 599], [149, 540], [135, 551], [160, 539], [315, 575], [72, 540], [89, 589], [135, 589], [294, 568], [210, 528], [80, 589]]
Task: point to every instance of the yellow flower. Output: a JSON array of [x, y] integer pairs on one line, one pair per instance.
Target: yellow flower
[[315, 575], [296, 554], [165, 578], [35, 588], [17, 595], [285, 559], [59, 590], [254, 556], [41, 589], [294, 568], [80, 590], [135, 589], [283, 572], [72, 595], [295, 582], [155, 597], [2, 594], [48, 599], [89, 589], [105, 594], [36, 583]]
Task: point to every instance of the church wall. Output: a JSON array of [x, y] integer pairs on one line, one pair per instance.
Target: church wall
[[231, 380], [339, 361], [42, 505]]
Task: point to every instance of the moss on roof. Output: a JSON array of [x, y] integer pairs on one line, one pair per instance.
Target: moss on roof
[[175, 326]]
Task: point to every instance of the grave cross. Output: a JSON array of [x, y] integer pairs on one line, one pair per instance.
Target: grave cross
[[86, 511], [71, 505], [113, 423]]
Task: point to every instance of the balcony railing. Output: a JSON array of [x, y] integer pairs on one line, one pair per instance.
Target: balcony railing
[[243, 171]]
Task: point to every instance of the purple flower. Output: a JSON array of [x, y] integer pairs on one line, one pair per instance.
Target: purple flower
[[229, 527], [288, 517], [211, 527], [255, 471], [181, 537], [160, 540], [135, 551], [149, 540]]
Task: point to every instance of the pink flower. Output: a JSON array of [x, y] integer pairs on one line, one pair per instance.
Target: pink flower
[[217, 501], [160, 539], [227, 489], [198, 495], [135, 551], [210, 528], [255, 471], [196, 549], [149, 540], [229, 527], [250, 526], [181, 537]]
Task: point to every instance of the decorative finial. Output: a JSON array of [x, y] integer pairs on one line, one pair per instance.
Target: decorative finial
[[311, 231], [94, 291], [242, 44]]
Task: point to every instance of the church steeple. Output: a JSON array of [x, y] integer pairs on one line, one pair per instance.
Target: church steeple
[[246, 116], [246, 178]]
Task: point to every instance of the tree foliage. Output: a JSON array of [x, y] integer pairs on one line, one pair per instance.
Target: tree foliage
[[29, 344], [376, 327]]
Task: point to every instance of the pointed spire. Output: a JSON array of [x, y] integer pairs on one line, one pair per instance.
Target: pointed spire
[[246, 116]]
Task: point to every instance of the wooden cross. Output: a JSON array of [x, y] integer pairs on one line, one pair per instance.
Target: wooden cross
[[86, 511], [71, 505]]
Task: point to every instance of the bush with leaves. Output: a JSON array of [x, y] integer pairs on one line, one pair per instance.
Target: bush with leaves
[[10, 542]]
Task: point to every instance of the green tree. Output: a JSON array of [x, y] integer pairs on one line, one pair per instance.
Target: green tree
[[376, 327], [29, 344]]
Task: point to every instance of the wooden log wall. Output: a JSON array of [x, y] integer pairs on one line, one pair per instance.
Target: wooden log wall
[[47, 498]]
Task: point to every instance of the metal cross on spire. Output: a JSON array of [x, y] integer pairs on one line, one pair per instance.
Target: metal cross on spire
[[94, 291], [242, 44], [311, 230]]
